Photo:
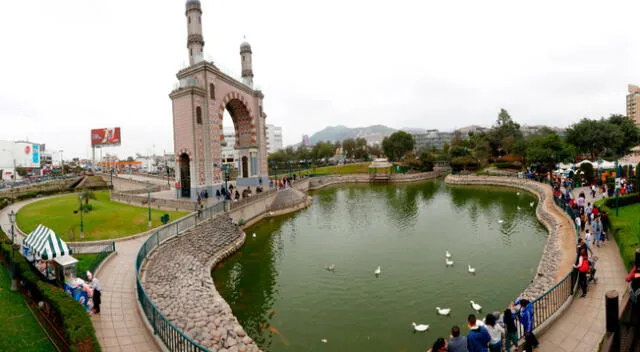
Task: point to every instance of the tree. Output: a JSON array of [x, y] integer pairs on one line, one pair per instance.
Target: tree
[[349, 147], [374, 150], [630, 133], [546, 151], [397, 145], [586, 170], [360, 151], [21, 171], [504, 134], [426, 160], [596, 137]]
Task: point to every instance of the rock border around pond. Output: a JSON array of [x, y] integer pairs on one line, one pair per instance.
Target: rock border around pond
[[552, 256], [177, 278]]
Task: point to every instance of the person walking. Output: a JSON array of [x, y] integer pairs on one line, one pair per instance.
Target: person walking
[[495, 331], [97, 292], [596, 228], [583, 268], [588, 239], [457, 343], [478, 337], [511, 336]]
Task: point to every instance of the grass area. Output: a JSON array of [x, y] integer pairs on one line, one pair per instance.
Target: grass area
[[357, 168], [19, 329], [625, 229], [107, 220]]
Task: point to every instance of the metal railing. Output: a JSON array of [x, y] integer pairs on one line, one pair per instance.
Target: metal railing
[[171, 336]]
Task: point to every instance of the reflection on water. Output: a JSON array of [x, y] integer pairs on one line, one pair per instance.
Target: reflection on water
[[280, 290]]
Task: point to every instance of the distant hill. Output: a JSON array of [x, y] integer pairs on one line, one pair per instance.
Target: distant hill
[[373, 134]]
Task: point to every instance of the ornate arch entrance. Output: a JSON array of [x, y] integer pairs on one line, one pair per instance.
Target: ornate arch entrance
[[185, 176], [202, 95]]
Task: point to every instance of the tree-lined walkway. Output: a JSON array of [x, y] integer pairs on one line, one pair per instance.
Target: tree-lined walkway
[[582, 325]]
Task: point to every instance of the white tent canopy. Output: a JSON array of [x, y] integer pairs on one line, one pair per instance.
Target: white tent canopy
[[44, 243], [607, 165]]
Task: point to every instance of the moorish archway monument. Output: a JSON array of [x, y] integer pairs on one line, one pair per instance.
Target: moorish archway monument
[[202, 95]]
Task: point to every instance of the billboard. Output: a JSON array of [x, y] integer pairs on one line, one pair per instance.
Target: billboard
[[105, 136]]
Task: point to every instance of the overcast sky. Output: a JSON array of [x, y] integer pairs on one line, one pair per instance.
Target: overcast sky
[[69, 66]]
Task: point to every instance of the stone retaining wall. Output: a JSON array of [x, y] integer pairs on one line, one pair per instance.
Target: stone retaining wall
[[548, 214], [319, 182], [177, 278]]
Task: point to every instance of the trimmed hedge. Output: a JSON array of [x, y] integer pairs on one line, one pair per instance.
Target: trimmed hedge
[[79, 331], [627, 199], [508, 165]]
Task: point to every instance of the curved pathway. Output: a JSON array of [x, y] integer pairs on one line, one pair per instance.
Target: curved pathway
[[582, 326], [119, 326]]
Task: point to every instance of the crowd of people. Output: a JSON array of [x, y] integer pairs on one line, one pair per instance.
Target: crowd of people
[[495, 334]]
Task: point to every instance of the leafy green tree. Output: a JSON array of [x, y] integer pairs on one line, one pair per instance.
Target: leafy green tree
[[596, 137], [426, 160], [397, 145], [21, 171], [504, 134], [361, 151], [587, 172], [374, 151], [349, 147], [546, 151], [630, 133]]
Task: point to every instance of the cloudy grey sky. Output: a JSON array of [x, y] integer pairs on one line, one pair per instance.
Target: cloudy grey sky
[[69, 66]]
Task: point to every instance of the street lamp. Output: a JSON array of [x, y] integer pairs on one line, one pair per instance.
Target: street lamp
[[149, 203], [617, 185], [14, 279], [226, 171], [80, 198]]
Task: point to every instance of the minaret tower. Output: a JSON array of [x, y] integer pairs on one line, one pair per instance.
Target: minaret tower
[[247, 70], [195, 41]]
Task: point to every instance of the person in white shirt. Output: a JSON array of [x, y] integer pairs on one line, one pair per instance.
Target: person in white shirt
[[496, 332], [97, 291]]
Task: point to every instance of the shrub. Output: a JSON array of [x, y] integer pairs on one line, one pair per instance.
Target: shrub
[[516, 165], [587, 168], [464, 163], [79, 331], [627, 199]]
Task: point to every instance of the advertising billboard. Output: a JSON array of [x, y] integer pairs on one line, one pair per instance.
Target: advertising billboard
[[105, 136]]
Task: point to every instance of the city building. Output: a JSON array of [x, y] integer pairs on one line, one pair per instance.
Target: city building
[[466, 131], [19, 154], [306, 141], [533, 129], [432, 138], [274, 138], [230, 154], [633, 103]]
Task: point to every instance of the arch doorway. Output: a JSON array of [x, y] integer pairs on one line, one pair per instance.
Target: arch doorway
[[245, 166], [185, 176]]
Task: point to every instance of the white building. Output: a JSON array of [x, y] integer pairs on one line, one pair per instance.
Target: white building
[[19, 154], [274, 138], [230, 155]]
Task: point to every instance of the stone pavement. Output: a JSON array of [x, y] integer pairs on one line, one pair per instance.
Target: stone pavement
[[582, 325], [119, 326]]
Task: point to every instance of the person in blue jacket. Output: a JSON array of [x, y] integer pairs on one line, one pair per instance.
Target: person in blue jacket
[[478, 337], [526, 319]]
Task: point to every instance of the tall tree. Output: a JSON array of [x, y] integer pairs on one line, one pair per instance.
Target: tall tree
[[596, 137], [545, 151], [629, 130], [349, 146], [504, 135], [397, 145]]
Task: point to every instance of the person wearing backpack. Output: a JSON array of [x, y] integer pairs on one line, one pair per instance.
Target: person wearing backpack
[[583, 269]]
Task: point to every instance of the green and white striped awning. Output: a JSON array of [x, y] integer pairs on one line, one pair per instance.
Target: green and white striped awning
[[44, 243]]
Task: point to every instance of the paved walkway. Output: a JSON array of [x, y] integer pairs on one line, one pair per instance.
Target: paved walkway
[[582, 326], [119, 326]]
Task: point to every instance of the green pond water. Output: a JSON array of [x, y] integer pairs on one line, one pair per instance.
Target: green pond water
[[279, 289]]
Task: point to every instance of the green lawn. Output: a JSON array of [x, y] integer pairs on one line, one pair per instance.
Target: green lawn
[[107, 219], [19, 330], [626, 228]]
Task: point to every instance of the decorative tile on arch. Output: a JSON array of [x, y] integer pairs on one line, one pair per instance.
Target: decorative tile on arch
[[183, 151]]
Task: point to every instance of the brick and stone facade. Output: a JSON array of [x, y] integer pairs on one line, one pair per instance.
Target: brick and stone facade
[[203, 94]]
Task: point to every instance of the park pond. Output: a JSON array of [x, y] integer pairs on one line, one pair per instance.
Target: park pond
[[281, 292]]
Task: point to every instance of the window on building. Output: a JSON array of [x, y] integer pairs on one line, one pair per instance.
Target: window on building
[[198, 115], [189, 19], [242, 58], [199, 20], [191, 52], [212, 93]]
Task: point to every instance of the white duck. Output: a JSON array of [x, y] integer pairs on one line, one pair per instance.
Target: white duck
[[378, 271], [475, 306], [420, 327], [331, 267], [447, 254], [254, 234], [472, 270], [443, 311], [517, 193], [324, 340], [500, 221], [448, 262], [532, 204], [518, 207]]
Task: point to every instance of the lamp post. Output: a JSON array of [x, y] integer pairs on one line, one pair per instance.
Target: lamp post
[[149, 204], [80, 198], [226, 171], [14, 280], [617, 185]]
